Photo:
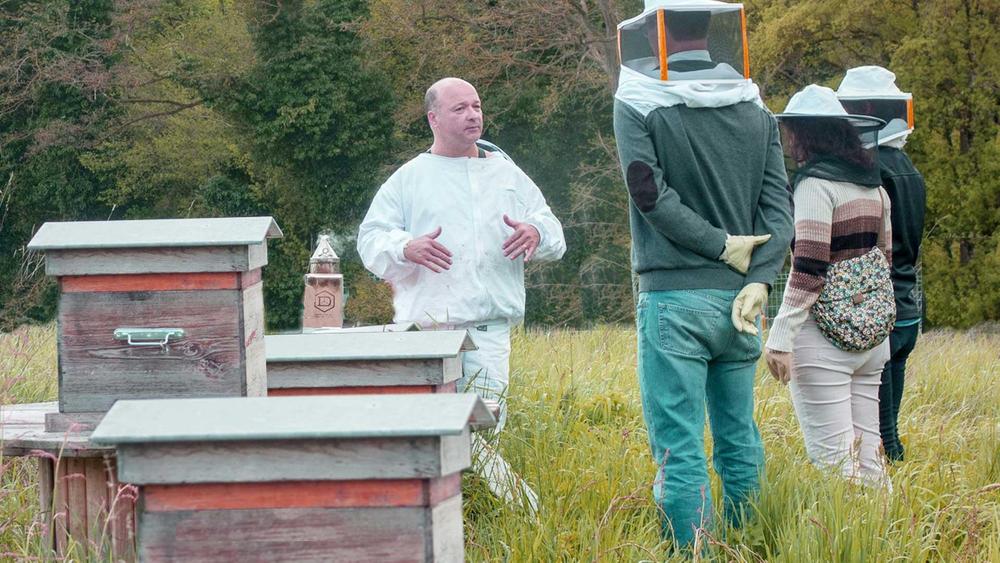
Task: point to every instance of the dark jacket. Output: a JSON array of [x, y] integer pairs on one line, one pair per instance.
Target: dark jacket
[[908, 195]]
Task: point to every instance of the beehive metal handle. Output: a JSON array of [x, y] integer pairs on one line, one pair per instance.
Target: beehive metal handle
[[149, 336]]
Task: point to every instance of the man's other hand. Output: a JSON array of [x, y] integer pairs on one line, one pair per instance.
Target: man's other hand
[[524, 240], [739, 250], [429, 253]]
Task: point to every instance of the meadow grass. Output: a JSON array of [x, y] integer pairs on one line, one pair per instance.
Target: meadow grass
[[27, 375], [576, 433]]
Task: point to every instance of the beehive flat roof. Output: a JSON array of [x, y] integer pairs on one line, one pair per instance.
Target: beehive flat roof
[[154, 233], [290, 418], [346, 346], [392, 327]]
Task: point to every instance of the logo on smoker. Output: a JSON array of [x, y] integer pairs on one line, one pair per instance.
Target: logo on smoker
[[324, 301]]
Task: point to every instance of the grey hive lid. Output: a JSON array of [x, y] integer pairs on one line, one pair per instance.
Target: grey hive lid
[[291, 418], [347, 346], [392, 327], [155, 233]]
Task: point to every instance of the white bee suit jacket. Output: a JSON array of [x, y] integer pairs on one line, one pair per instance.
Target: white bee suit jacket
[[467, 198]]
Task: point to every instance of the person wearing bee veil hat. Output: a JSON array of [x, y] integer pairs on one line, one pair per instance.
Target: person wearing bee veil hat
[[710, 220], [872, 90], [829, 339]]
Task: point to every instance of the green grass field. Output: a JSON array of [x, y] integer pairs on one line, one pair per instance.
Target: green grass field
[[576, 433]]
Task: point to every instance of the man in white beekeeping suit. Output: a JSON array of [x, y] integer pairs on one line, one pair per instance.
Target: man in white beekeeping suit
[[710, 220], [451, 231]]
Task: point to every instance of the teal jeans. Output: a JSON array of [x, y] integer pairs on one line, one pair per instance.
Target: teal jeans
[[691, 356]]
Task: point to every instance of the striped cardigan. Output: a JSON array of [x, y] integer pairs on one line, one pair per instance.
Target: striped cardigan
[[834, 221]]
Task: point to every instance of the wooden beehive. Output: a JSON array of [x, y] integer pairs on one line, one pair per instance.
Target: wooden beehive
[[348, 478], [156, 309], [365, 362]]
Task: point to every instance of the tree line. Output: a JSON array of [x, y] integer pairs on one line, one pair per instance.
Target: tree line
[[300, 109]]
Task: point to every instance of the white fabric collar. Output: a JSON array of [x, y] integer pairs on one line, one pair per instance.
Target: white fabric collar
[[897, 143], [894, 134], [645, 94]]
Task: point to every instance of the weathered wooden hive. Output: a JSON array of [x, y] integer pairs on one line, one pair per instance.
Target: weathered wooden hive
[[156, 309], [354, 478], [365, 362]]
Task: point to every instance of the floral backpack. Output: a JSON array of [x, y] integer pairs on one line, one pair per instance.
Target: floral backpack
[[857, 308]]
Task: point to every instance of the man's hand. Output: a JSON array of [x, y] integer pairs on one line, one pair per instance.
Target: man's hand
[[524, 240], [747, 305], [429, 253], [779, 364], [739, 250]]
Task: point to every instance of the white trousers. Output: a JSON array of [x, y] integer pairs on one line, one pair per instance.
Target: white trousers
[[486, 371], [835, 394]]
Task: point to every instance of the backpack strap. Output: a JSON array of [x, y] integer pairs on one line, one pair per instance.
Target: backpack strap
[[881, 220]]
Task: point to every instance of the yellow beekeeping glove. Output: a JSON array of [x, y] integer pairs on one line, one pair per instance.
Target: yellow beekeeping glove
[[747, 306], [739, 250]]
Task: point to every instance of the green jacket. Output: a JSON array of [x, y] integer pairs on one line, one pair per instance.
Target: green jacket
[[695, 175]]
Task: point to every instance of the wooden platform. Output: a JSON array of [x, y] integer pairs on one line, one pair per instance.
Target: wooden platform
[[22, 431], [79, 493]]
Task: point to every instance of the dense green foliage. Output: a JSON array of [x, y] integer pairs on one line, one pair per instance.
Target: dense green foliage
[[221, 109], [300, 108], [317, 126], [45, 60], [947, 52]]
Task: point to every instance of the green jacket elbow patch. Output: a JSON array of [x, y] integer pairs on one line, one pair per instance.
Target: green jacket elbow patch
[[641, 185]]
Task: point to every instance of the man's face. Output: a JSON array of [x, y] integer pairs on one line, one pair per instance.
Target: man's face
[[457, 116]]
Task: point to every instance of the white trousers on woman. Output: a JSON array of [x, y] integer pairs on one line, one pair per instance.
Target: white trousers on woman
[[835, 394]]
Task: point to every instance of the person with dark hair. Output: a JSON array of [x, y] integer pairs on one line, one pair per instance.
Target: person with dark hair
[[710, 222], [841, 213], [826, 139], [872, 90]]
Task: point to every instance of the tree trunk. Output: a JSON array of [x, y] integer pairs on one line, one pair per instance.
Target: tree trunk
[[966, 249]]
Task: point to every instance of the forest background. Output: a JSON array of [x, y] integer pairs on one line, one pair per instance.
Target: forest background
[[114, 109]]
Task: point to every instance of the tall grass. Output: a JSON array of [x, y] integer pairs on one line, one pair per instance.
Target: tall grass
[[576, 434], [27, 375]]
